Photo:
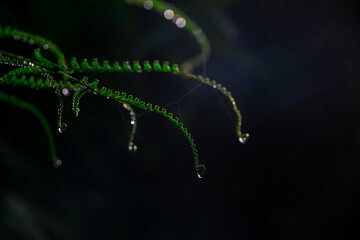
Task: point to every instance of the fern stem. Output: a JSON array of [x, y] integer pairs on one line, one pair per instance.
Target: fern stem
[[8, 32], [35, 111], [190, 26], [133, 123]]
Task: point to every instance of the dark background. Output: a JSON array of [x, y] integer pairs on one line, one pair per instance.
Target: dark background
[[293, 68]]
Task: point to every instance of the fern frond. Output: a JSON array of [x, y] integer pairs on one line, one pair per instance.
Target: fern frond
[[26, 70], [38, 82], [45, 62], [165, 67], [133, 123], [76, 99], [129, 100], [61, 126], [181, 20], [14, 60], [39, 74], [8, 32]]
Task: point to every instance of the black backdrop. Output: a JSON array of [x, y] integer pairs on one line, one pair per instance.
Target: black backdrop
[[293, 68]]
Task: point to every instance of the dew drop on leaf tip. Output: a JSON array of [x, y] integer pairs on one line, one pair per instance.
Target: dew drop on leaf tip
[[132, 147], [58, 163], [243, 139], [200, 171]]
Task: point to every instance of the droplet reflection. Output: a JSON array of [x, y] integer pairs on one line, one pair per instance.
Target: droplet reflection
[[62, 128], [169, 14], [200, 170], [148, 5], [243, 139], [65, 92], [132, 147], [58, 163], [180, 22]]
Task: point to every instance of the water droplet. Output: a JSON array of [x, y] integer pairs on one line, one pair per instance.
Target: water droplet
[[132, 122], [180, 22], [148, 5], [65, 92], [200, 170], [169, 14], [243, 139], [132, 147], [46, 46], [62, 128], [31, 41], [58, 163]]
